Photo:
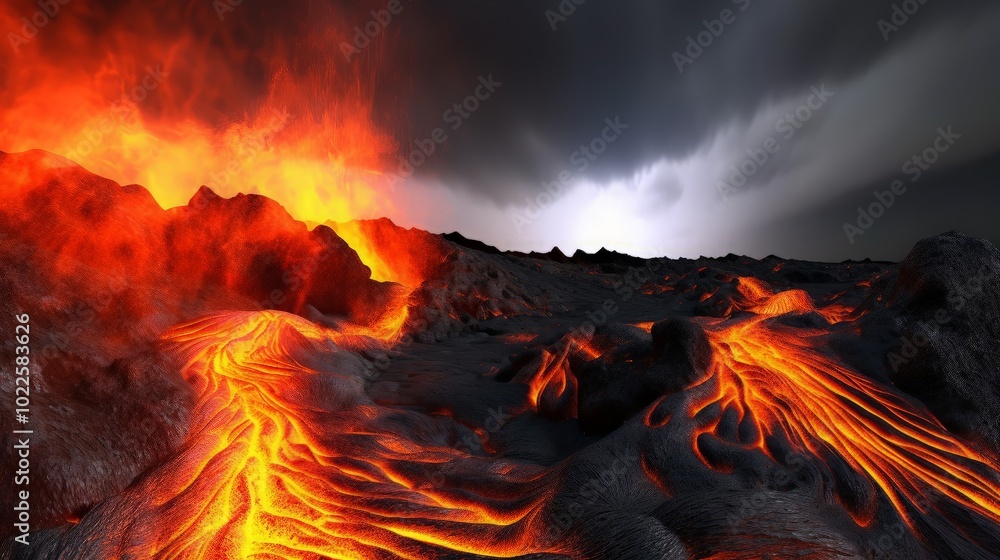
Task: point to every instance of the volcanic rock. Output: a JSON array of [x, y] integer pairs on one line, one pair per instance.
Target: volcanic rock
[[940, 307]]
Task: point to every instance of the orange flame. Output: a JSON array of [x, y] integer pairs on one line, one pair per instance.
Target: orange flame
[[173, 110]]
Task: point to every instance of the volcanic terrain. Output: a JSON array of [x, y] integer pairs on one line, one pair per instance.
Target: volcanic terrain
[[219, 380]]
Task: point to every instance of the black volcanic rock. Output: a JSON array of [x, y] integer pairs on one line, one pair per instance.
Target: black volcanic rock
[[811, 277], [96, 427], [608, 261], [469, 287], [607, 258], [681, 346], [554, 255], [461, 240], [941, 309]]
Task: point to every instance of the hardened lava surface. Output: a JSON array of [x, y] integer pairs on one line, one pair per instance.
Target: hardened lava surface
[[220, 381]]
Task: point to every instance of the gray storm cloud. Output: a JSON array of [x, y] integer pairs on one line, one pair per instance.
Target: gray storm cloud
[[896, 76]]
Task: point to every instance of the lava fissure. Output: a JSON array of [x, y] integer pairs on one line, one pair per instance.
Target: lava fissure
[[782, 382]]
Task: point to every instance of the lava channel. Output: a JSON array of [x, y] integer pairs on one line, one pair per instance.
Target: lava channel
[[781, 385], [287, 458]]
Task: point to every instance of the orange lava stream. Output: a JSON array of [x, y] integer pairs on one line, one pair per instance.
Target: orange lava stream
[[390, 325], [778, 380], [287, 458]]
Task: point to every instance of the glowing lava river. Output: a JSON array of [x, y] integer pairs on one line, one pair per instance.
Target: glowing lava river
[[777, 382], [286, 459], [739, 435]]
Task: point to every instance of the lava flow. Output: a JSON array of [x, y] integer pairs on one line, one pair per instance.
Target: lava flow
[[779, 383], [322, 435], [287, 458]]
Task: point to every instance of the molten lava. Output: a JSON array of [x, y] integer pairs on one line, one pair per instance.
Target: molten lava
[[780, 383], [553, 381], [286, 458]]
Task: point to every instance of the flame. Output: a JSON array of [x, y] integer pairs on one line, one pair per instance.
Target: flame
[[175, 95], [645, 325], [404, 256], [519, 338], [778, 382], [213, 102], [554, 380]]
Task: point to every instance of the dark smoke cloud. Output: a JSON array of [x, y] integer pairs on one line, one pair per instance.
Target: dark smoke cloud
[[615, 58]]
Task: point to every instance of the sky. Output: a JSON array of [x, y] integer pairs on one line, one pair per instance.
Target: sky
[[821, 130], [897, 80]]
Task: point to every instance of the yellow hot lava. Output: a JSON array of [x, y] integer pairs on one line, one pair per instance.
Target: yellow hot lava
[[779, 380], [287, 458]]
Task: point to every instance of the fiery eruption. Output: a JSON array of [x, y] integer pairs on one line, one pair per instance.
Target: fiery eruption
[[190, 97]]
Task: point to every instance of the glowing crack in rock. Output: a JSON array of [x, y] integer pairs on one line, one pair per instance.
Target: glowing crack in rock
[[778, 381]]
